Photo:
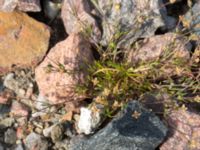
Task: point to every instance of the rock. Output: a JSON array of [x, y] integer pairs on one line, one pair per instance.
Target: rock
[[4, 110], [193, 18], [184, 131], [134, 128], [20, 82], [19, 147], [89, 120], [7, 122], [19, 109], [8, 5], [170, 45], [1, 147], [22, 5], [5, 96], [62, 145], [63, 69], [57, 133], [10, 136], [24, 41], [29, 5], [35, 142], [125, 21], [76, 18]]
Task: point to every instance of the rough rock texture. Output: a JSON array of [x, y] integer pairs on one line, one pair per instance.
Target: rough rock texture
[[76, 17], [24, 41], [63, 69], [18, 109], [135, 128], [23, 5], [184, 131], [160, 45], [171, 50], [193, 17], [10, 136], [131, 19], [35, 142]]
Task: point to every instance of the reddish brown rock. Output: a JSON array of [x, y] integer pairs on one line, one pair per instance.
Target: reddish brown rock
[[23, 5], [76, 17], [63, 69], [23, 41], [184, 131]]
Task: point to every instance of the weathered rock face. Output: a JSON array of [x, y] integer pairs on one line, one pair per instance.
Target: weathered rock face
[[131, 18], [76, 17], [184, 131], [23, 5], [135, 128], [24, 41], [64, 68], [160, 45], [170, 51]]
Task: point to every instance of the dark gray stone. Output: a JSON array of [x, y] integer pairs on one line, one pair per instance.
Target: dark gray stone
[[10, 136], [126, 132]]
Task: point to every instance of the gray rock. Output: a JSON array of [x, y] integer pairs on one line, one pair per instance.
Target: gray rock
[[62, 145], [132, 19], [126, 132], [19, 147], [34, 141], [10, 136], [193, 16], [1, 147]]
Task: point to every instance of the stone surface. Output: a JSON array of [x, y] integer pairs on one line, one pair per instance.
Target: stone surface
[[35, 142], [10, 136], [170, 46], [57, 133], [24, 41], [7, 122], [18, 109], [21, 82], [128, 131], [76, 17], [63, 69], [184, 132], [193, 18], [125, 21], [22, 5]]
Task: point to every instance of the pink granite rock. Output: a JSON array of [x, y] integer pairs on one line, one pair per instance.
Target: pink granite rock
[[184, 131], [63, 69], [170, 51], [76, 17], [155, 47], [23, 5]]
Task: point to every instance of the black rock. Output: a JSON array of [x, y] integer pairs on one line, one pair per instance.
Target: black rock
[[126, 132]]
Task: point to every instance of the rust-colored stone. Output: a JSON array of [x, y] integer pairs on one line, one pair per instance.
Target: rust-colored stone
[[23, 41]]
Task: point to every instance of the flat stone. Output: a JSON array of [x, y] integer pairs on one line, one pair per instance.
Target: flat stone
[[134, 128], [24, 41], [63, 69]]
